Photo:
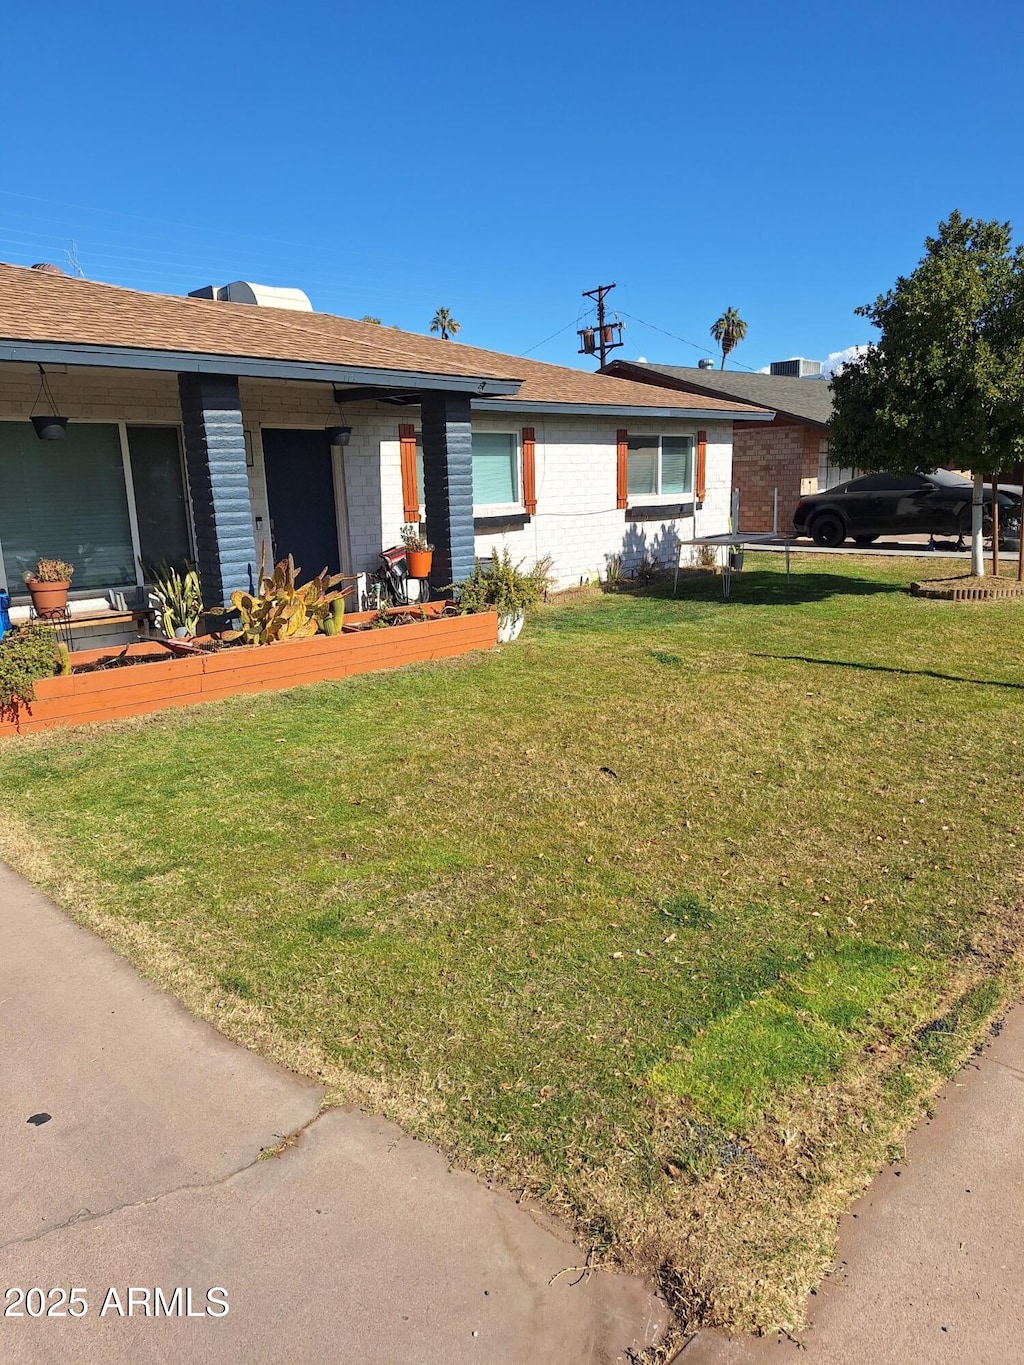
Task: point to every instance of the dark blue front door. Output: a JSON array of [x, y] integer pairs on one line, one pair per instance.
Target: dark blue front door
[[300, 493]]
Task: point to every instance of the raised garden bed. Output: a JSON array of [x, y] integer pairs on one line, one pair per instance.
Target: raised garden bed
[[968, 589], [161, 680]]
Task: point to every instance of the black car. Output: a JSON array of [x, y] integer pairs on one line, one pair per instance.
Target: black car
[[874, 505]]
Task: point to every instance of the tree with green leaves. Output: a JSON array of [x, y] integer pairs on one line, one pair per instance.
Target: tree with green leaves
[[368, 317], [944, 383], [444, 323], [728, 330]]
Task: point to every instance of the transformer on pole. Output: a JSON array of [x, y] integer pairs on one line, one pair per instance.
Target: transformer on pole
[[606, 336]]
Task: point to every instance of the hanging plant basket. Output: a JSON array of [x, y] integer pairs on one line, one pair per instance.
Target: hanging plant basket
[[50, 428]]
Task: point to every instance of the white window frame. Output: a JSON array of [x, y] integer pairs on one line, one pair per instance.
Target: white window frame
[[644, 499], [497, 509], [490, 509], [18, 598]]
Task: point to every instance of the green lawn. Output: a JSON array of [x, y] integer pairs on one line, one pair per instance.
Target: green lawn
[[672, 914]]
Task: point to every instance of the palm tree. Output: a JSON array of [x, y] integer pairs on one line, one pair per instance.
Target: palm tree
[[728, 331], [445, 324]]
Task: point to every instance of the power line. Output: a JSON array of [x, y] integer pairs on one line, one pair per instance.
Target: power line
[[550, 338], [686, 342]]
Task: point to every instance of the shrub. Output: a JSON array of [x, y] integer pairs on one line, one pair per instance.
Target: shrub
[[503, 586], [27, 654]]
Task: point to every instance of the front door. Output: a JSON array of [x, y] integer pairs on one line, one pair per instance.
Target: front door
[[300, 495]]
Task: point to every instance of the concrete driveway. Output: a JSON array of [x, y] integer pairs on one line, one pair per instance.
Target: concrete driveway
[[130, 1141]]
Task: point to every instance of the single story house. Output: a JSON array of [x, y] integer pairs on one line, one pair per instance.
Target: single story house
[[200, 428], [790, 453]]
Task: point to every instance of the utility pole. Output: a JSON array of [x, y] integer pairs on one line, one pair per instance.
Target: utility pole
[[606, 336]]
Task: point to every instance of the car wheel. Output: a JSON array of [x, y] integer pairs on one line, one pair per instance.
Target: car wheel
[[828, 530], [864, 540]]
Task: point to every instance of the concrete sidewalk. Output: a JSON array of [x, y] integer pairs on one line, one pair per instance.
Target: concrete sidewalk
[[356, 1244], [931, 1258]]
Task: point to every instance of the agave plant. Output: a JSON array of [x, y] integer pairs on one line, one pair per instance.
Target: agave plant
[[180, 595]]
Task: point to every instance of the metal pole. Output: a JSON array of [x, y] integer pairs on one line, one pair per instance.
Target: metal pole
[[995, 528], [775, 512]]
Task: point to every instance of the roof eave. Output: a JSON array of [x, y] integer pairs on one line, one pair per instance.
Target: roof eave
[[622, 410], [640, 374], [249, 367]]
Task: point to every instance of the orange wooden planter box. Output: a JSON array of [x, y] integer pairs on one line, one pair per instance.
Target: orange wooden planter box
[[83, 698]]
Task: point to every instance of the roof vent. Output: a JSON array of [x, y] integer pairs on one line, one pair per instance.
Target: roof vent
[[262, 295], [47, 268], [797, 368], [706, 363]]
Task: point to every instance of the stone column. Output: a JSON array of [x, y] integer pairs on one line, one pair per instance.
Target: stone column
[[211, 414], [448, 483]]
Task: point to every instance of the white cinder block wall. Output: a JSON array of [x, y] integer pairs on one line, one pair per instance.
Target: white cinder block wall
[[577, 522]]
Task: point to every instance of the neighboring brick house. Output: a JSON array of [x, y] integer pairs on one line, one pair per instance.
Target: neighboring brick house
[[790, 454], [199, 428]]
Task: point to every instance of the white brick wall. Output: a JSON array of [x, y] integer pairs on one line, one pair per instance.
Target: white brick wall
[[577, 522]]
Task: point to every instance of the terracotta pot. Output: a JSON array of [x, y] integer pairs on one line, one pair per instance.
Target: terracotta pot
[[418, 563], [47, 597]]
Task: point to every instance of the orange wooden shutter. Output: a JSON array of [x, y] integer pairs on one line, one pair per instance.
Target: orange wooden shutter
[[700, 476], [529, 471], [410, 493], [621, 468]]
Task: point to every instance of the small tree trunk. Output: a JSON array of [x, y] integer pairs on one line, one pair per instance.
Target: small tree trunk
[[977, 544], [995, 528]]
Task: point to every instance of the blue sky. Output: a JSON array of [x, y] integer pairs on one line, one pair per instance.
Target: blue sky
[[787, 160]]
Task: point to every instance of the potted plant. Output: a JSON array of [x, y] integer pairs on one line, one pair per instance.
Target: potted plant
[[503, 587], [419, 555], [48, 585]]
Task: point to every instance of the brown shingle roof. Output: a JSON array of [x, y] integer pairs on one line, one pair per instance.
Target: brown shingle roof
[[36, 306]]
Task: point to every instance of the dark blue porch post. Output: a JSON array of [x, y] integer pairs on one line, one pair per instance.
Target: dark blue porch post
[[211, 414], [448, 483]]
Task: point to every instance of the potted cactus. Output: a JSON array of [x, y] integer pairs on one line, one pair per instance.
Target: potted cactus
[[48, 585]]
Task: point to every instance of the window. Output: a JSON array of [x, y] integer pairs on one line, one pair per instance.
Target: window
[[495, 469], [659, 466], [65, 500], [159, 496]]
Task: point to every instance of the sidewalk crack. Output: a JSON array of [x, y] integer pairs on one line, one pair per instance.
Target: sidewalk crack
[[89, 1216]]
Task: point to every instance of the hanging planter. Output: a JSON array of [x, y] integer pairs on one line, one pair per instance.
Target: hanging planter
[[50, 428]]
